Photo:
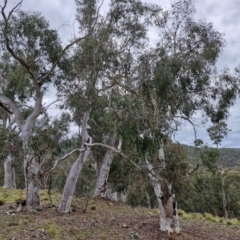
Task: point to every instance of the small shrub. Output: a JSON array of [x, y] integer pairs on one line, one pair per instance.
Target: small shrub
[[18, 200], [93, 207], [233, 221], [5, 195], [180, 212], [187, 216], [197, 216], [2, 201], [211, 218], [52, 230], [13, 223]]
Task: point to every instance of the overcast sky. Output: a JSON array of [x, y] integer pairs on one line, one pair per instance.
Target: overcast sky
[[223, 14]]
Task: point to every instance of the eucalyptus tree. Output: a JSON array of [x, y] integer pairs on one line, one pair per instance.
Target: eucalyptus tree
[[47, 141], [176, 79], [100, 62], [216, 133], [35, 55]]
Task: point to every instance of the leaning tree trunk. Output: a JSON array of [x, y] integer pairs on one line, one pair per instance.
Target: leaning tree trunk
[[169, 220], [102, 185], [9, 173], [70, 185]]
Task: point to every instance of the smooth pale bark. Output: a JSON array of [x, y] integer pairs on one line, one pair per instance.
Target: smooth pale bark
[[9, 170], [102, 189], [169, 220], [9, 173], [123, 196], [111, 193], [32, 181], [70, 185]]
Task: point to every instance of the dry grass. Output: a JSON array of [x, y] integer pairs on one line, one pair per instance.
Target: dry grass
[[103, 221]]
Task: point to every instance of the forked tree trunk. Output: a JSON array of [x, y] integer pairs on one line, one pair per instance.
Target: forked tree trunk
[[9, 173], [103, 172], [169, 220], [70, 185]]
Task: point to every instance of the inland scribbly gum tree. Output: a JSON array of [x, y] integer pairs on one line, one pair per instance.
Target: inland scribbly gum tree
[[100, 65], [175, 80], [217, 133], [35, 55], [70, 185]]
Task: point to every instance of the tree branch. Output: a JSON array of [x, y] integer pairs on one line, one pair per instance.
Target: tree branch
[[7, 42], [5, 103], [47, 75], [193, 125], [114, 150], [192, 170], [62, 159]]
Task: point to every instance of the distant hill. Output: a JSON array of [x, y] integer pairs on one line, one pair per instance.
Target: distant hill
[[230, 156]]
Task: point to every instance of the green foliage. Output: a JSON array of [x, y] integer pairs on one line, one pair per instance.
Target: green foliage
[[218, 132], [230, 156], [209, 158], [176, 164], [87, 181], [201, 194], [38, 46]]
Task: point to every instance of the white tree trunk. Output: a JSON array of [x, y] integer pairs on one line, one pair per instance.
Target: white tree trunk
[[111, 193], [9, 173], [32, 180], [9, 170], [123, 196], [101, 187], [169, 220], [70, 185], [31, 168]]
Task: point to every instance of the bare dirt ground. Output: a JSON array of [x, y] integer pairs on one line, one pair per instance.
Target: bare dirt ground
[[104, 220]]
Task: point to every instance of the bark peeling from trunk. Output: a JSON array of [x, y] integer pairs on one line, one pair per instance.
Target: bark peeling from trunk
[[167, 204]]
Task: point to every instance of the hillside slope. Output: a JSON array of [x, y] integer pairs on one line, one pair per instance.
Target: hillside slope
[[230, 156], [103, 220]]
